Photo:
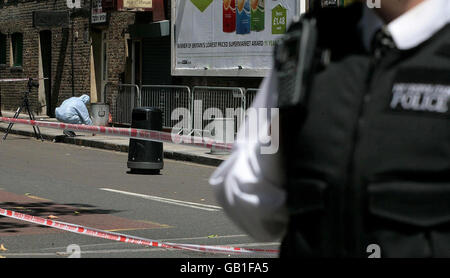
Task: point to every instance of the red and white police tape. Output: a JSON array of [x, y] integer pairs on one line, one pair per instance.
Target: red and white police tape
[[19, 79], [150, 135], [142, 134], [13, 79], [130, 239]]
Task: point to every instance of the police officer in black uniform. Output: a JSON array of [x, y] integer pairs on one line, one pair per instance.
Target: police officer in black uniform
[[365, 134], [370, 162]]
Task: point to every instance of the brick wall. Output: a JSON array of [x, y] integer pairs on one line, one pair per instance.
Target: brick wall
[[117, 28], [17, 17]]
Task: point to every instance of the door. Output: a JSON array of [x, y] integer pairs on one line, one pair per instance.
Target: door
[[136, 63], [104, 65], [136, 77], [45, 40], [156, 61], [100, 55]]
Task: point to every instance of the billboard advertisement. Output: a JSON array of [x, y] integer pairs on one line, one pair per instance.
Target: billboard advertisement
[[228, 37]]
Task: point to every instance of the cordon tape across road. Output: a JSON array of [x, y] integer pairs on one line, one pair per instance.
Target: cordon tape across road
[[142, 134], [150, 135], [130, 239]]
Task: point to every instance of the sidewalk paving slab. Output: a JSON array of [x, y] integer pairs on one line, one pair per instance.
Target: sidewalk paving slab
[[171, 150]]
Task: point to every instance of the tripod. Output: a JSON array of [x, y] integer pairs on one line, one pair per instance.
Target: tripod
[[26, 105]]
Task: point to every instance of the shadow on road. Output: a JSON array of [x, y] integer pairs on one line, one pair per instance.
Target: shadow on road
[[16, 137], [151, 172], [45, 210]]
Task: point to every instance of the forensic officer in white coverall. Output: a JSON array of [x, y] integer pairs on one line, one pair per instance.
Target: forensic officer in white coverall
[[74, 111]]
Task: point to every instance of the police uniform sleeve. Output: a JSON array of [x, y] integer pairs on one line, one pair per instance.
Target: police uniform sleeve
[[249, 184]]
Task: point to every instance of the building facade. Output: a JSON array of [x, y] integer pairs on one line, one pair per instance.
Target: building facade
[[82, 50], [73, 51]]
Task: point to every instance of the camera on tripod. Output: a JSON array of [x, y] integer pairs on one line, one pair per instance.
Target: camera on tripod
[[26, 104], [32, 83]]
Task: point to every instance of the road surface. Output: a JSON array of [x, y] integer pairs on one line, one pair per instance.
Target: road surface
[[94, 188]]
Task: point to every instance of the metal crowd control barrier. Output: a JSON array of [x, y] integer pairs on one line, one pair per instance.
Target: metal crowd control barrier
[[250, 95], [207, 106], [217, 102], [168, 98], [124, 97]]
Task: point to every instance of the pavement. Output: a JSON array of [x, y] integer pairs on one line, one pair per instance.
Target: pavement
[[171, 150]]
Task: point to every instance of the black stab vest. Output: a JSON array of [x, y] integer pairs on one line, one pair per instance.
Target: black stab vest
[[370, 162]]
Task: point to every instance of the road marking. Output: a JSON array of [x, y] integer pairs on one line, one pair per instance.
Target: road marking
[[162, 240], [31, 254], [167, 201], [202, 237], [163, 226], [37, 198], [192, 163], [136, 229], [130, 250], [111, 251]]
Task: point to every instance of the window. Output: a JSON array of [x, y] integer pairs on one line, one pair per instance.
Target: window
[[2, 49], [17, 49]]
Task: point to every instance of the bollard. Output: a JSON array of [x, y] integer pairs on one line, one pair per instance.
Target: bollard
[[146, 156]]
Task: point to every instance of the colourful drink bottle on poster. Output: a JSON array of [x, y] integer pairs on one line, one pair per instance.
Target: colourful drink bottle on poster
[[243, 17], [229, 16], [257, 15]]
